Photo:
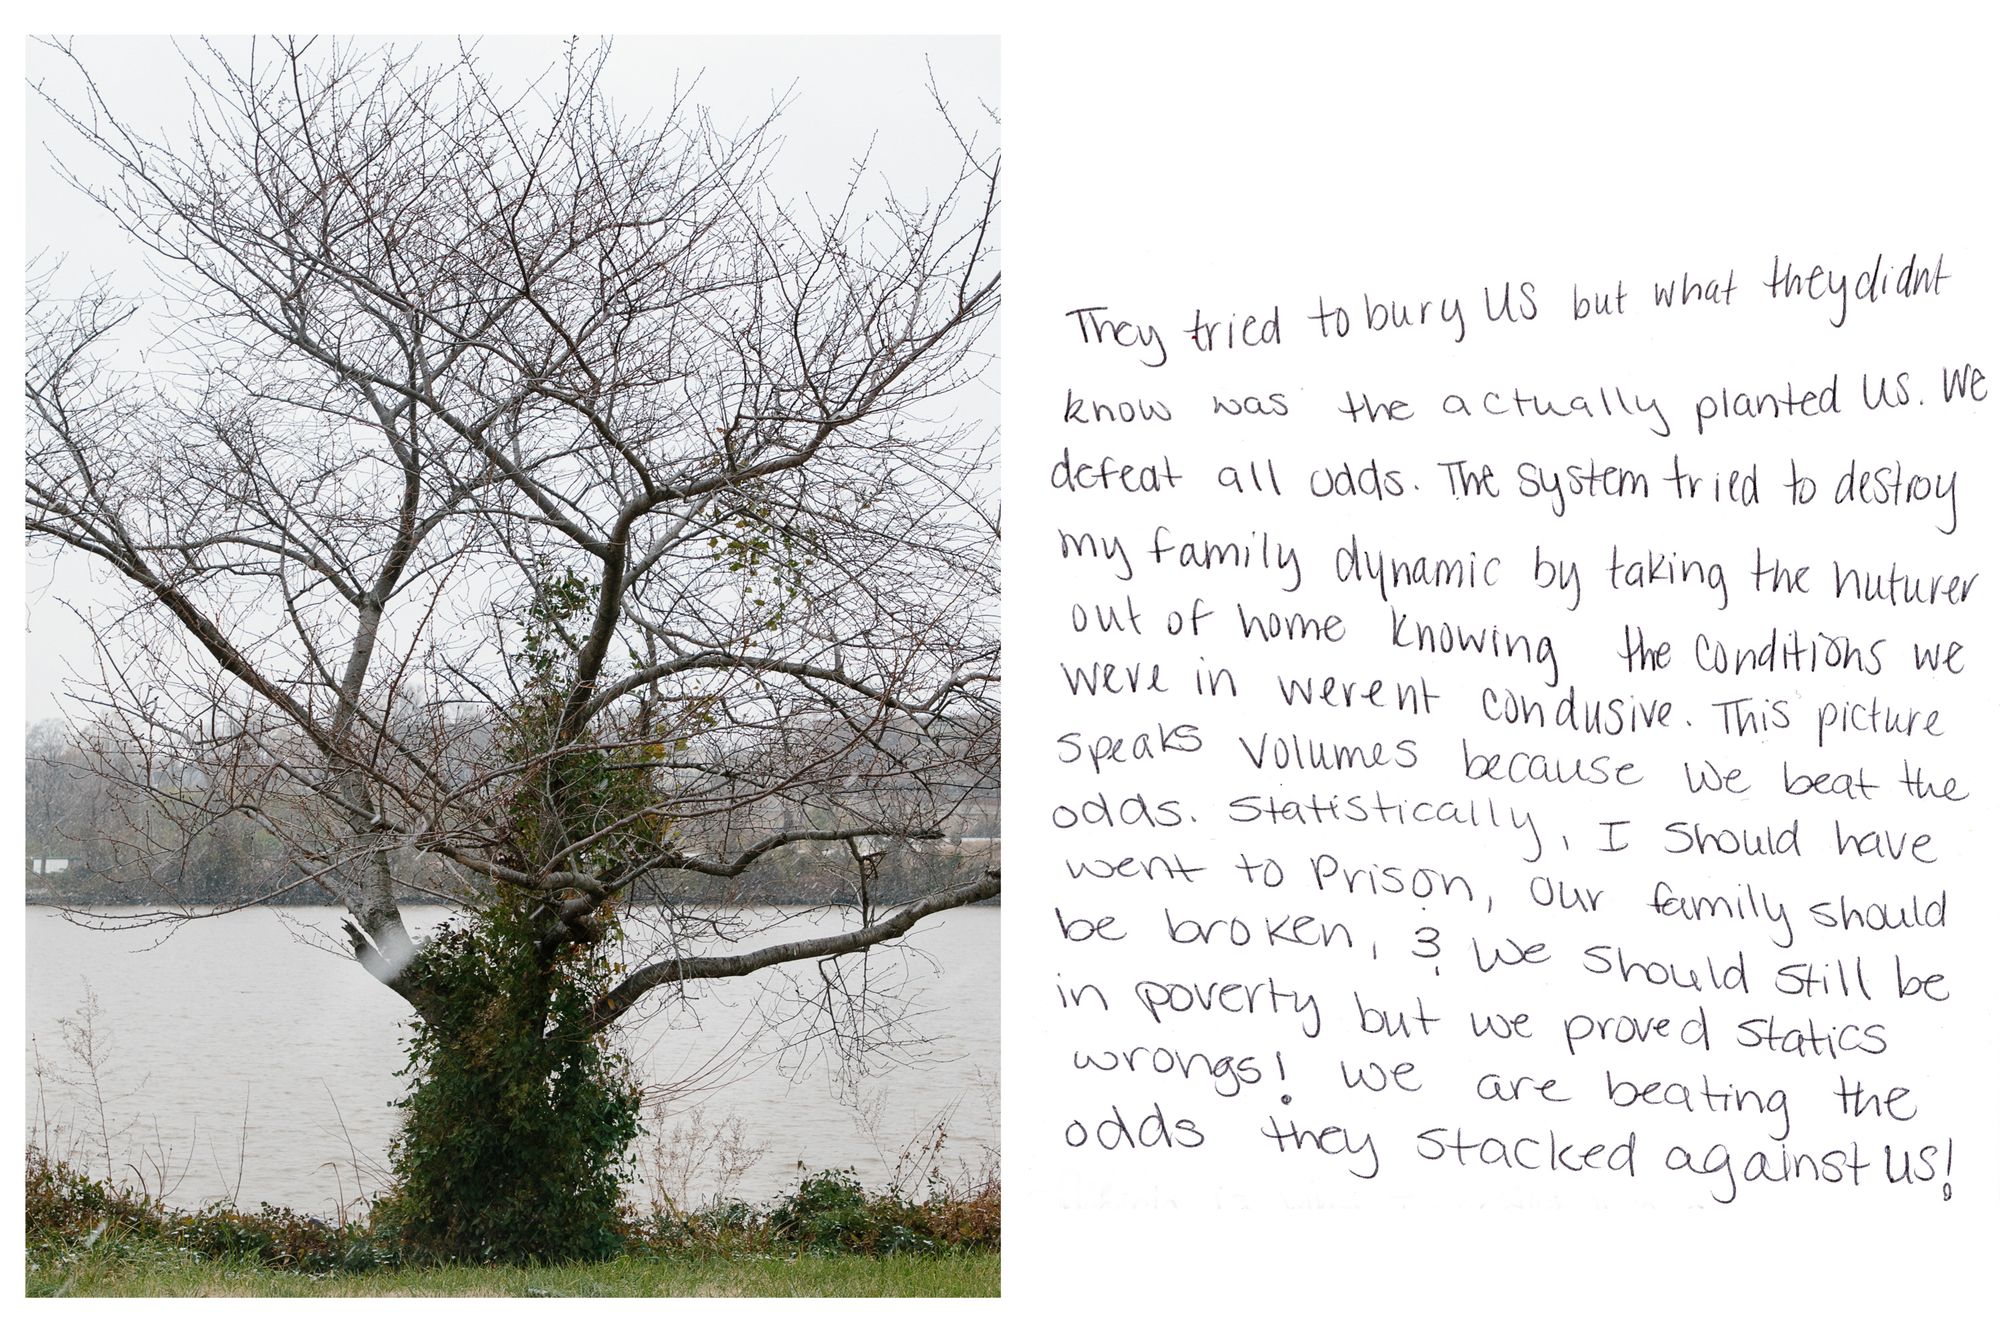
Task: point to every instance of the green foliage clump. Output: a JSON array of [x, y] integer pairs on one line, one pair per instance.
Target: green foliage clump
[[773, 573], [64, 1204], [514, 1145], [583, 799], [515, 1138], [831, 1212], [71, 1217]]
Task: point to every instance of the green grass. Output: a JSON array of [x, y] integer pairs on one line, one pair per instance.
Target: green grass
[[827, 1237], [155, 1270]]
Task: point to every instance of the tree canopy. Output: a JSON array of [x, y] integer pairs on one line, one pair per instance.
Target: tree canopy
[[523, 500]]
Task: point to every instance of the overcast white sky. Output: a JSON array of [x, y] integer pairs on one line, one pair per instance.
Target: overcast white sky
[[846, 92]]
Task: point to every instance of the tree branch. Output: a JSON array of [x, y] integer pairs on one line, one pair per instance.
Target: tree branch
[[621, 998]]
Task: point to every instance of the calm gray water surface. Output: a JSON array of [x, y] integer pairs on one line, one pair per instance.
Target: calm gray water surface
[[237, 1012]]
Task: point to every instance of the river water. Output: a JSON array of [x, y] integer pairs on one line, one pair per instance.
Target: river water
[[235, 1059]]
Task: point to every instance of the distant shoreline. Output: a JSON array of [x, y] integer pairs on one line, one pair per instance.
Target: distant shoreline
[[112, 906]]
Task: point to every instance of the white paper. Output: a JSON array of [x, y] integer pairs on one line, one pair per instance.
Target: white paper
[[1374, 205]]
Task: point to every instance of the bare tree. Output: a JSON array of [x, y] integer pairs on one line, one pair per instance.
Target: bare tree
[[523, 502]]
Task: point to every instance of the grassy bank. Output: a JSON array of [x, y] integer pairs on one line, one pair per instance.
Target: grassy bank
[[827, 1237], [164, 1272]]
